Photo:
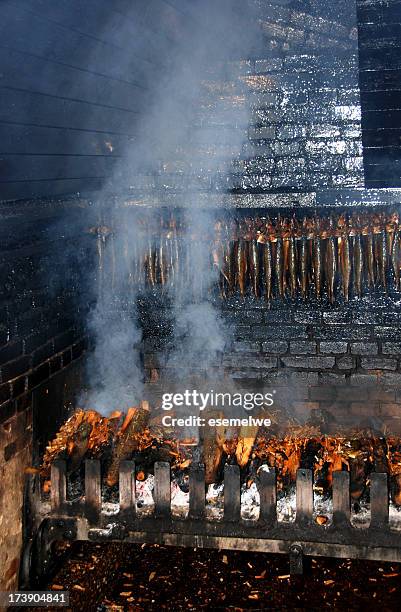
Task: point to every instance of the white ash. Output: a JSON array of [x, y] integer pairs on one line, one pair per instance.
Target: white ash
[[250, 504]]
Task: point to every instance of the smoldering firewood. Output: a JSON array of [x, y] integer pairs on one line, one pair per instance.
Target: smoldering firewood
[[127, 440], [358, 473], [85, 431], [212, 445], [79, 446], [246, 440], [380, 455]]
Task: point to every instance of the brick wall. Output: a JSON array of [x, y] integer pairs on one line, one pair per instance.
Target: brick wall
[[43, 301], [345, 360]]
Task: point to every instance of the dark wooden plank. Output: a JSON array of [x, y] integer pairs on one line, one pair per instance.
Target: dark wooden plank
[[41, 109], [379, 500], [341, 498], [26, 139], [380, 80], [381, 100], [162, 490], [381, 119], [127, 488], [268, 496], [59, 79], [49, 188], [232, 493], [34, 167], [381, 138], [304, 494], [93, 494], [197, 491], [58, 490]]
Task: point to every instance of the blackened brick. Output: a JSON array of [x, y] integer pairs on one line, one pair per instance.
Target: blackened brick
[[245, 346], [278, 316], [392, 379], [10, 451], [346, 363], [245, 374], [242, 332], [79, 348], [279, 332], [43, 353], [389, 318], [56, 364], [335, 348], [331, 378], [384, 395], [308, 317], [35, 341], [23, 403], [67, 357], [249, 361], [303, 348], [391, 348], [276, 348], [364, 409], [367, 317], [11, 351], [313, 363], [363, 379], [239, 316], [337, 317], [39, 375], [390, 410], [18, 386], [7, 410], [378, 363], [338, 333], [353, 394], [5, 392], [64, 340], [387, 333], [304, 378], [364, 348], [15, 368], [324, 393]]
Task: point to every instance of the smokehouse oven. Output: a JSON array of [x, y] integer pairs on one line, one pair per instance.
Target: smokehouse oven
[[200, 261]]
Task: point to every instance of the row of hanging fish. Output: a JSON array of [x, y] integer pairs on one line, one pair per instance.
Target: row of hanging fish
[[339, 255]]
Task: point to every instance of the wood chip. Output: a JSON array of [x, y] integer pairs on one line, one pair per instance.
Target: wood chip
[[78, 587], [284, 577], [57, 587], [225, 560], [151, 576], [321, 519]]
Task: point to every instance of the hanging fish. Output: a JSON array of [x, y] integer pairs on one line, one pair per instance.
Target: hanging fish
[[292, 266], [330, 265], [369, 255], [241, 265], [345, 258], [317, 260], [395, 258], [268, 269], [303, 262], [358, 265], [279, 266], [255, 267]]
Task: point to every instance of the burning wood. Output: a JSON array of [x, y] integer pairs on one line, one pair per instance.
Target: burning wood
[[130, 437], [87, 434]]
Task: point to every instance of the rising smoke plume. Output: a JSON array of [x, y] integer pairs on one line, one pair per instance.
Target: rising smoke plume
[[183, 121]]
